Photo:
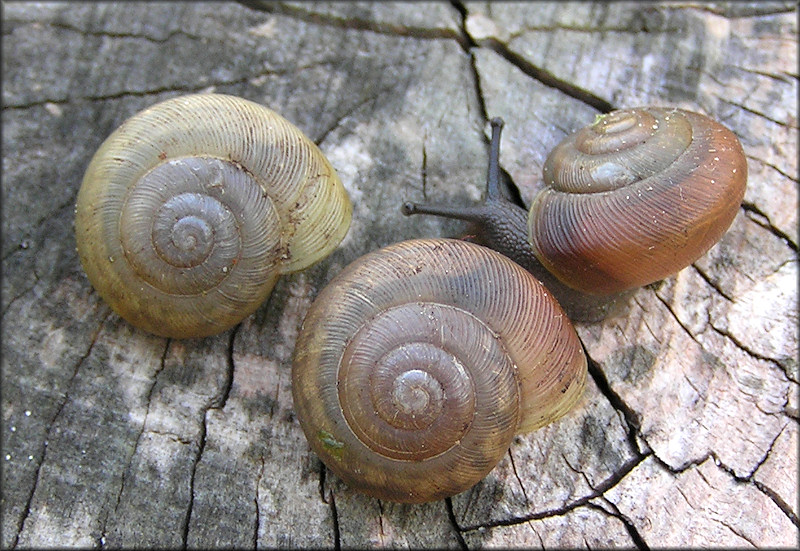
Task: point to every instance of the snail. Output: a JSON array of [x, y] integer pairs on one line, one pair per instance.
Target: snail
[[628, 200], [191, 209], [419, 362]]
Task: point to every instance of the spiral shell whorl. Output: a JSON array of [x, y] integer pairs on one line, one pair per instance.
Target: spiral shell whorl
[[191, 209], [419, 362], [608, 154], [635, 197]]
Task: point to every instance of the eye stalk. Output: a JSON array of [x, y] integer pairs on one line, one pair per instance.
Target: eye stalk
[[630, 199]]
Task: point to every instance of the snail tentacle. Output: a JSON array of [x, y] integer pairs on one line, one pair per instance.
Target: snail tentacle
[[503, 226], [631, 199]]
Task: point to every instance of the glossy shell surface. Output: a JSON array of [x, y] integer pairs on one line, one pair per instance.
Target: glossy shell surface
[[192, 208], [419, 362], [635, 197]]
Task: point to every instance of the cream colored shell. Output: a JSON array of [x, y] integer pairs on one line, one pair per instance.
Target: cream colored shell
[[192, 208]]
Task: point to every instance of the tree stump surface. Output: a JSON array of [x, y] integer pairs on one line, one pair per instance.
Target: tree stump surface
[[688, 432]]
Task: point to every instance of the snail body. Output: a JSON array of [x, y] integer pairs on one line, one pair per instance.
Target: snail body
[[419, 362], [190, 211], [633, 198]]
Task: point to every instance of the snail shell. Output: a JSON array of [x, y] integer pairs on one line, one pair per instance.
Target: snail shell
[[192, 208], [419, 362], [635, 197]]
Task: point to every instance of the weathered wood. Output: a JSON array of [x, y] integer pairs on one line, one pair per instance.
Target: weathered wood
[[687, 434]]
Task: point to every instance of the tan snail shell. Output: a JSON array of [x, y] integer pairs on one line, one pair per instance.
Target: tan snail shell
[[635, 197], [192, 208], [419, 362]]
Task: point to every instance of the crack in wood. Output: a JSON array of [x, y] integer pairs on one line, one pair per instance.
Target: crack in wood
[[724, 333], [537, 534], [630, 417], [330, 502], [257, 501], [654, 334], [734, 531], [337, 541], [336, 123], [24, 292], [578, 471], [632, 29], [764, 458], [219, 401], [142, 430], [55, 212], [351, 22], [702, 396], [216, 402], [322, 476], [424, 168], [783, 77], [110, 34], [547, 78], [630, 527], [773, 166], [746, 480], [527, 68], [744, 11], [516, 475], [115, 96], [190, 506], [123, 94], [680, 322], [448, 503], [775, 362], [753, 111], [705, 277], [10, 22], [778, 500], [692, 463], [472, 498], [596, 491], [380, 522], [684, 496], [474, 76], [763, 488], [616, 513], [43, 449], [171, 435], [750, 210]]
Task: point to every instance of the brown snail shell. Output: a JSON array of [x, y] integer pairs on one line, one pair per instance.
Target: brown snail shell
[[635, 197], [192, 208], [419, 362]]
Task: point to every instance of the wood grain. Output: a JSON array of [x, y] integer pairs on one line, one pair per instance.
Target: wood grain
[[687, 434]]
